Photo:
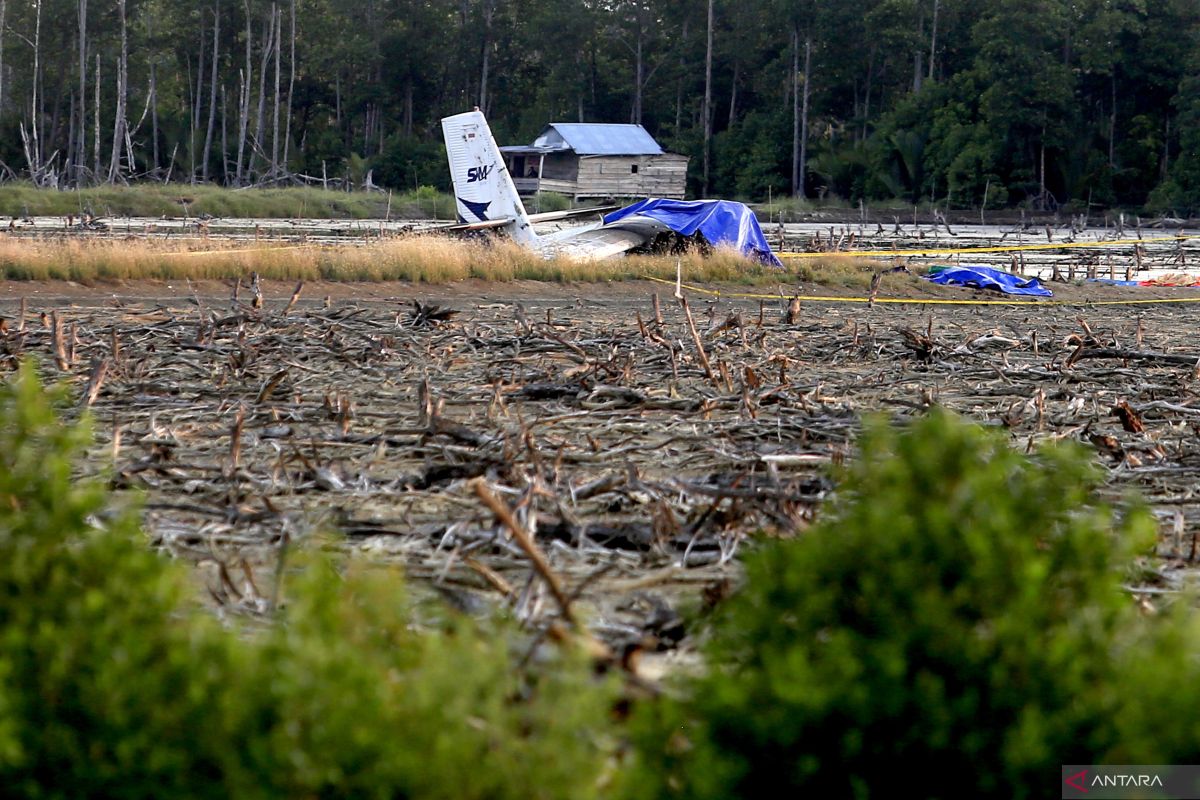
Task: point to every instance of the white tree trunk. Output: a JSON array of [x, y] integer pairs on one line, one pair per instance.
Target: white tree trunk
[[489, 10], [224, 136], [804, 113], [212, 89], [3, 12], [79, 156], [287, 130], [268, 40], [119, 124], [197, 99], [933, 39], [96, 112], [278, 14], [708, 112], [797, 188], [639, 69], [244, 105], [35, 160], [154, 114]]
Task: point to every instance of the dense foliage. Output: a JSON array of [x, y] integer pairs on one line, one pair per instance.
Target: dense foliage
[[957, 621], [956, 626], [113, 684], [1035, 102]]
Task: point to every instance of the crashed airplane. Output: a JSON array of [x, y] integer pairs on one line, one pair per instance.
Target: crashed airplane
[[487, 199]]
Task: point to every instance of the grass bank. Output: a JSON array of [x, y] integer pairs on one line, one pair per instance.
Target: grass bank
[[423, 259], [177, 200]]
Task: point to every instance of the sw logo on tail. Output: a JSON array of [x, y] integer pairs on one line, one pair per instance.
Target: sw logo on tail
[[479, 173]]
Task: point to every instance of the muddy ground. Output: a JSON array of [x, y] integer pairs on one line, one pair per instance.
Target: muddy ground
[[642, 464]]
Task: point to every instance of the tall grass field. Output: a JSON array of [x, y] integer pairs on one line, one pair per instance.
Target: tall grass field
[[423, 259]]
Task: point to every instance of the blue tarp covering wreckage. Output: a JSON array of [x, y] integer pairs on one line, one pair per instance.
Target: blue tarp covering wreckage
[[720, 222], [987, 278]]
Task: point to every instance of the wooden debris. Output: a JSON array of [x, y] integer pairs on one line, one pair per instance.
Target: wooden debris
[[792, 315], [1130, 420], [430, 314], [697, 342], [608, 440], [95, 381], [294, 298]]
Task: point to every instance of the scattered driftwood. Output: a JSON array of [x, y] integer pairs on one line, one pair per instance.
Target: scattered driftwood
[[430, 314], [1137, 355], [620, 444]]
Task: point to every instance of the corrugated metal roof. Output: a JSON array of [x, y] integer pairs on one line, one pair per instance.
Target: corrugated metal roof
[[598, 139]]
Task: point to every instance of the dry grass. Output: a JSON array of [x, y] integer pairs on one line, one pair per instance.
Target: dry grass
[[845, 271], [426, 259], [177, 199]]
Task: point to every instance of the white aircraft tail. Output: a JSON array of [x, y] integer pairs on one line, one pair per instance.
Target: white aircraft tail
[[483, 189]]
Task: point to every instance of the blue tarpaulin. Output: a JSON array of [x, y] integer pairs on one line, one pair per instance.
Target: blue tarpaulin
[[720, 222], [987, 278]]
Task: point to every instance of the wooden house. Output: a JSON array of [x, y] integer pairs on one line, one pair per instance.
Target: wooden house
[[593, 160]]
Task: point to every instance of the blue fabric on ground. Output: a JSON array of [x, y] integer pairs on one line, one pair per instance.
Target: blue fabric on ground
[[721, 222], [987, 278]]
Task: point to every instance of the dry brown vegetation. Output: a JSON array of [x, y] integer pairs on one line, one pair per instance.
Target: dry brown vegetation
[[640, 453], [423, 259]]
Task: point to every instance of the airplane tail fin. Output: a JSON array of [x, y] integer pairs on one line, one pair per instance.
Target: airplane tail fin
[[483, 189]]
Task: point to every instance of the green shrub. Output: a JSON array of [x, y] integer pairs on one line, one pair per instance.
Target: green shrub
[[955, 626], [179, 200], [545, 202], [112, 683]]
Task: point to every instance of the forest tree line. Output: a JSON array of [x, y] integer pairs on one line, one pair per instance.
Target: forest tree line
[[962, 103]]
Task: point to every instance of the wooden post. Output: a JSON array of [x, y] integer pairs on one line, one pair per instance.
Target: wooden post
[[708, 371], [538, 196]]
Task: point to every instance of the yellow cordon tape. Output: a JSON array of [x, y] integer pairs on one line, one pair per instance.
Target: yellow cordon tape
[[928, 301], [996, 249]]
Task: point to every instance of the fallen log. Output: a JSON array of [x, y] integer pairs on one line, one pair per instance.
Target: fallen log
[[1136, 355]]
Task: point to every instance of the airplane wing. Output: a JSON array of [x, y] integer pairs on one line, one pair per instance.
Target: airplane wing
[[549, 216], [476, 226], [603, 241], [596, 243], [552, 216]]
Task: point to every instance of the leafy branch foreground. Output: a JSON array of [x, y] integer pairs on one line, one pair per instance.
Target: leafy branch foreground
[[957, 616], [113, 684]]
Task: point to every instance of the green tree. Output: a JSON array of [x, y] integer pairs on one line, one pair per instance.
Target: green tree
[[956, 621], [113, 683]]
